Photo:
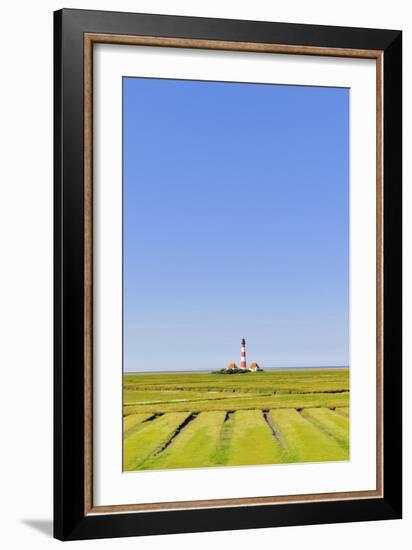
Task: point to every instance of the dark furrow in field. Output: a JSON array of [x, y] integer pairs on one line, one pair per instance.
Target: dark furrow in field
[[175, 433], [298, 392], [229, 390], [189, 389], [242, 397], [224, 439], [137, 427], [177, 390], [159, 402], [317, 424], [276, 434], [154, 415], [251, 407]]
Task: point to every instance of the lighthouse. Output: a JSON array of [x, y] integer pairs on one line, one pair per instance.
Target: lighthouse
[[243, 354]]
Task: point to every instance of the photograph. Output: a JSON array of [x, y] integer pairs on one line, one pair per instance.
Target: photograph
[[236, 346]]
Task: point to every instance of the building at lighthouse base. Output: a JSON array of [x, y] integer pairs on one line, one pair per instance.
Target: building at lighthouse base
[[254, 367], [232, 368]]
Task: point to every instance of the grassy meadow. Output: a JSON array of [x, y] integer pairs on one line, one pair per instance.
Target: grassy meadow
[[196, 420]]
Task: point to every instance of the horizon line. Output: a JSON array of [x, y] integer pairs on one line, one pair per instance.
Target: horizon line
[[171, 371]]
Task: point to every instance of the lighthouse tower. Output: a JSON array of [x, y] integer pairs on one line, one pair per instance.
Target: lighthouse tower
[[243, 354]]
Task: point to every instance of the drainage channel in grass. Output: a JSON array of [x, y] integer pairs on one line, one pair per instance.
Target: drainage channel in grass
[[343, 411], [251, 440], [175, 433], [133, 422], [305, 441], [151, 436], [220, 456], [330, 422], [193, 445], [275, 432]]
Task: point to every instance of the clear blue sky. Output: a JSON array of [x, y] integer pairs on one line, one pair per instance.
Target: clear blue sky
[[236, 224]]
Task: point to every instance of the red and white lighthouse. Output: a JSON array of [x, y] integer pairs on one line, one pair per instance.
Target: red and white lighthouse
[[243, 354]]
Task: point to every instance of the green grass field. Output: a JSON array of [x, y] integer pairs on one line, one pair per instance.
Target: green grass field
[[197, 420]]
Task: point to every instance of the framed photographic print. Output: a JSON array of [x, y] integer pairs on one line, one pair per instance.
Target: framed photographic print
[[227, 274]]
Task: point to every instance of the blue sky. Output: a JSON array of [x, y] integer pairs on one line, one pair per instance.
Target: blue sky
[[236, 224]]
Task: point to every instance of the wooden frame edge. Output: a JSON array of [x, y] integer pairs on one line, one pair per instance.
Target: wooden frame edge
[[379, 274], [88, 276], [205, 44], [89, 40], [232, 502]]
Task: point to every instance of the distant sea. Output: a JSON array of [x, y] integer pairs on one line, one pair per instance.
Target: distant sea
[[210, 370]]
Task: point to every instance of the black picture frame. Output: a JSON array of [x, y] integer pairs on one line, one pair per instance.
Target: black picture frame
[[71, 522]]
